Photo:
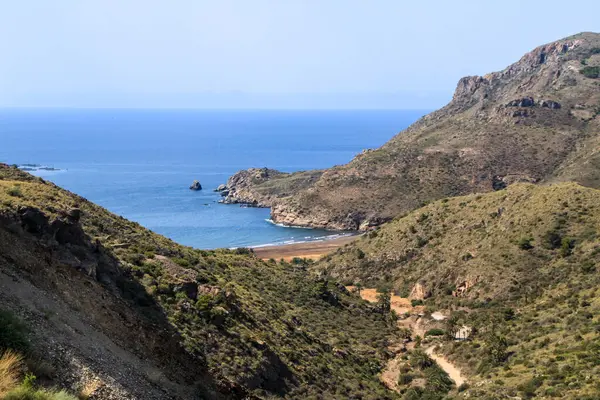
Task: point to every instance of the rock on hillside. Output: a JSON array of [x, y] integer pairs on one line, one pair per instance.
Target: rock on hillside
[[538, 120]]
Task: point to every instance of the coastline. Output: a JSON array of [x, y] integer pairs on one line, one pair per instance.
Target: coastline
[[312, 249]]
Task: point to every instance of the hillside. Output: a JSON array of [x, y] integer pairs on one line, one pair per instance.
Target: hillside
[[518, 266], [538, 121], [111, 306]]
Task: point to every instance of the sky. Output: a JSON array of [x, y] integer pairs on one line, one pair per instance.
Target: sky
[[312, 54]]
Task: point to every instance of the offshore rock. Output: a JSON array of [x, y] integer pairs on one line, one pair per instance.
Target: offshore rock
[[196, 185]]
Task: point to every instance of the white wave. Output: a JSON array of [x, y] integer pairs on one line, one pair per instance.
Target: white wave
[[269, 220]]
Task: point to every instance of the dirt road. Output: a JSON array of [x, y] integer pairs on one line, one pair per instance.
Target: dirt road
[[402, 305]]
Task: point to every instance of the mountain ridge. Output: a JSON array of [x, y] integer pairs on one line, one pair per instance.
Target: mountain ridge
[[535, 121]]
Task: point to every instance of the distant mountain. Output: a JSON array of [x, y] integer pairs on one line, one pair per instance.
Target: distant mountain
[[536, 121]]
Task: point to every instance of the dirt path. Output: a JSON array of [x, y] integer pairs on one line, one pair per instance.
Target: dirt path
[[451, 370], [399, 304], [402, 305]]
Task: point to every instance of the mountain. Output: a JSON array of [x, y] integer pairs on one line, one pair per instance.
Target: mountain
[[519, 267], [538, 121], [97, 303]]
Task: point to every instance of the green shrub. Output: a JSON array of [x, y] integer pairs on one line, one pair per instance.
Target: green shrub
[[435, 332], [529, 388], [13, 333], [182, 262], [14, 191], [525, 243], [496, 347], [405, 379], [419, 359], [27, 393], [552, 239], [566, 246], [243, 250], [415, 302], [438, 380], [463, 387], [590, 72]]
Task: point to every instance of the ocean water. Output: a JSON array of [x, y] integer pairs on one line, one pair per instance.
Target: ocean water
[[140, 163]]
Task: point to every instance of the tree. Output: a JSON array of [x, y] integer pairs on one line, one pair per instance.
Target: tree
[[384, 301], [497, 346], [452, 327]]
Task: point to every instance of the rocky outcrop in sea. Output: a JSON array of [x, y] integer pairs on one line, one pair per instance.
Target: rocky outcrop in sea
[[195, 185]]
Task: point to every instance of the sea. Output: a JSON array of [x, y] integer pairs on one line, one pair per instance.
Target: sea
[[140, 163]]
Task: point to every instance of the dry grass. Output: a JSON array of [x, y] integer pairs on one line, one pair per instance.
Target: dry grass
[[10, 365], [88, 389]]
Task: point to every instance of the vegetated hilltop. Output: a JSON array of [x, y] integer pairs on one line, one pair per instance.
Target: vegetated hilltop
[[260, 187], [114, 307], [521, 266], [536, 121]]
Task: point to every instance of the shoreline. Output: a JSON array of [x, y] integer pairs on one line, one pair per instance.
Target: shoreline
[[312, 249]]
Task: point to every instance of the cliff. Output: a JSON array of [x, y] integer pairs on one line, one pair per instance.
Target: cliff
[[538, 121]]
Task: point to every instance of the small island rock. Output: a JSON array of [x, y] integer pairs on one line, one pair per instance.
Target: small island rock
[[196, 185]]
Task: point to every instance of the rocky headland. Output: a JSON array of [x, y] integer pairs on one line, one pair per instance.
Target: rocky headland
[[261, 187], [536, 121]]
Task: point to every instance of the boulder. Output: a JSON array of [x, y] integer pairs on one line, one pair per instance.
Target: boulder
[[196, 185], [33, 220], [189, 288], [523, 102], [74, 214], [419, 292], [222, 187], [553, 105]]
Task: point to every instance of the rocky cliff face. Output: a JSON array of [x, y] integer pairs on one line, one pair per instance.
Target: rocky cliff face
[[538, 120]]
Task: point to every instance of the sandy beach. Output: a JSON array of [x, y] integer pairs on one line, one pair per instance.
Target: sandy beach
[[311, 250]]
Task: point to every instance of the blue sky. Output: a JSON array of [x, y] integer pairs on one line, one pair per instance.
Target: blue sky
[[266, 54]]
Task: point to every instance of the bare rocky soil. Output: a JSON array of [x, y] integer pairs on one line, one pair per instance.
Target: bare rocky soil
[[75, 354], [416, 324]]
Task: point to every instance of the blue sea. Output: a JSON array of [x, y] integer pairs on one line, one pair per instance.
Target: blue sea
[[140, 163]]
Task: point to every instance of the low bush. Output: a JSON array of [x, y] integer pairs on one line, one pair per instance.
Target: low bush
[[14, 191], [590, 72], [27, 393], [13, 333], [405, 379], [525, 243], [435, 332]]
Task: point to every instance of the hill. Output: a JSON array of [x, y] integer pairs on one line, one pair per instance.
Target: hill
[[114, 307], [518, 267], [535, 121]]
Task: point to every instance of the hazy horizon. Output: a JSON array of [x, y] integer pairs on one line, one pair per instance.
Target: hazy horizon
[[265, 54]]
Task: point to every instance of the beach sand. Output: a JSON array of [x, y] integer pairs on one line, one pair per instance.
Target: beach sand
[[311, 250]]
